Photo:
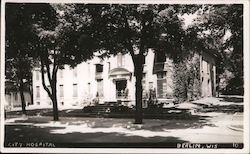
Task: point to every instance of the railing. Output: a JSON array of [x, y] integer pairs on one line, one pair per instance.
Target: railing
[[121, 94]]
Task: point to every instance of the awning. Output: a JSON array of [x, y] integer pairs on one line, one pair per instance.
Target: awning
[[119, 73]]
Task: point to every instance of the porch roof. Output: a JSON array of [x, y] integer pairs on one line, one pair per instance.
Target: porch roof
[[119, 71]]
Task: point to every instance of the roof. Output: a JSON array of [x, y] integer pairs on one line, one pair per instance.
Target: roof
[[119, 71]]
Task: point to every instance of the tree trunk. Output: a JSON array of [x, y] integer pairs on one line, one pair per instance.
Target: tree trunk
[[218, 87], [54, 101], [21, 88], [31, 94], [138, 91], [31, 91]]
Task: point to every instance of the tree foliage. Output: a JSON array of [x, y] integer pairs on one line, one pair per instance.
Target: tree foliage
[[63, 44], [221, 26], [47, 33], [134, 29], [186, 79], [19, 41]]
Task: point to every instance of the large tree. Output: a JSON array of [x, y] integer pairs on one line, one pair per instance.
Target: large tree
[[221, 26], [134, 29], [59, 45], [19, 41], [49, 35]]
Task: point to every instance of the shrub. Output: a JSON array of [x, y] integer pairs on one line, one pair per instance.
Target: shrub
[[88, 109], [121, 109], [186, 80]]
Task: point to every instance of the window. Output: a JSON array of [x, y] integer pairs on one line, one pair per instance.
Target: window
[[75, 90], [37, 92], [143, 82], [109, 66], [120, 60], [15, 96], [161, 75], [204, 65], [121, 86], [151, 85], [144, 76], [75, 72], [62, 103], [61, 91], [160, 57], [61, 73], [161, 85], [100, 87], [99, 68], [88, 68], [38, 103], [37, 75], [208, 68], [89, 88], [123, 60]]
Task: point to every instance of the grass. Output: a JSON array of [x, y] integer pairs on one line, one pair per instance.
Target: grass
[[148, 113]]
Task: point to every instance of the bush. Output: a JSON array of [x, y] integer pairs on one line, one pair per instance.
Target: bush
[[120, 109], [186, 80], [88, 109], [235, 86]]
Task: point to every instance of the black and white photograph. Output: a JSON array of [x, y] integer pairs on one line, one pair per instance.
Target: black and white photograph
[[124, 76]]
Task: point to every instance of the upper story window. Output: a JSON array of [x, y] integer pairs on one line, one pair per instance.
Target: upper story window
[[88, 67], [37, 75], [75, 72], [161, 75], [61, 73], [75, 90], [120, 60], [37, 92], [15, 96], [151, 85], [61, 91], [144, 76], [89, 88], [160, 57], [208, 68], [202, 64], [99, 68], [109, 66]]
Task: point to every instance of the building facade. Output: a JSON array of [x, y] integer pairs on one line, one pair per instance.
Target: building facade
[[13, 100], [13, 96], [112, 80]]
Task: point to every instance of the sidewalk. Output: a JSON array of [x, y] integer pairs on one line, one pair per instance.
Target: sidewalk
[[237, 121]]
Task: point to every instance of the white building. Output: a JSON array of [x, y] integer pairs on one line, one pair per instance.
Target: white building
[[111, 80]]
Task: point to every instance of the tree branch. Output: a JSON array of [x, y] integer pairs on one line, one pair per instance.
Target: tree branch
[[43, 80], [48, 70], [55, 67], [142, 45], [128, 39]]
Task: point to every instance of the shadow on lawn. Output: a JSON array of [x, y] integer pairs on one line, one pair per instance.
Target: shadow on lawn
[[181, 120], [153, 125], [230, 109], [30, 134], [232, 99]]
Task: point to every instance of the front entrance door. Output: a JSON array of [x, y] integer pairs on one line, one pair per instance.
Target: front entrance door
[[121, 86]]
